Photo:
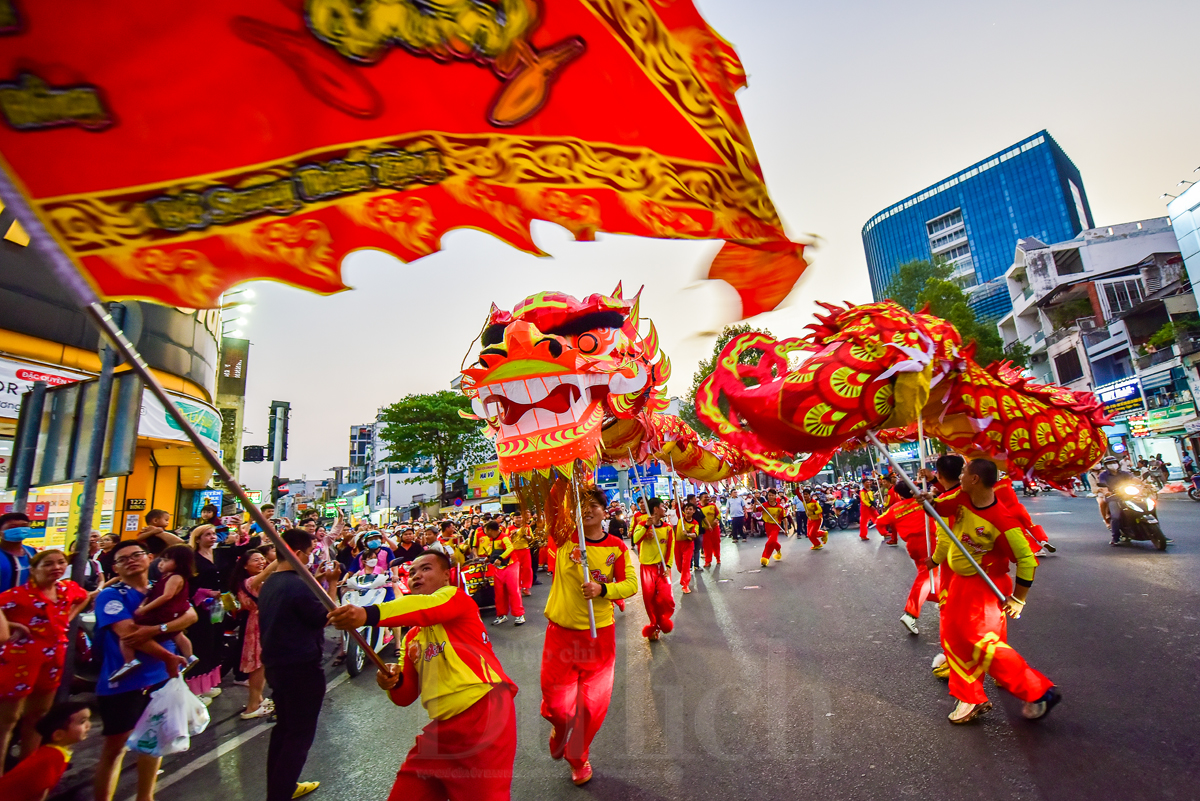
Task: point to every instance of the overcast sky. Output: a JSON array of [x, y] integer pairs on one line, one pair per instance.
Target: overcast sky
[[852, 106]]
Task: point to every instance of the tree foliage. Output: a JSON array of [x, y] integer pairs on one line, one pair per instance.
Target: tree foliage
[[429, 426], [918, 283], [688, 404]]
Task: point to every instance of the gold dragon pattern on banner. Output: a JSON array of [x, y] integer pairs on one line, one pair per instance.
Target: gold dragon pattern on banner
[[877, 367]]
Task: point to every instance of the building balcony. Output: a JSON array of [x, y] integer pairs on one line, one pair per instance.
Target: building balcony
[[1188, 344], [1158, 357], [1059, 334]]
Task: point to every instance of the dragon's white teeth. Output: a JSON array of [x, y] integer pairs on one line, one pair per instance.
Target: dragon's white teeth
[[516, 391], [621, 385], [477, 407]]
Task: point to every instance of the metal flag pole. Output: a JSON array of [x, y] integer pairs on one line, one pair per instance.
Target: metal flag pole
[[933, 513], [662, 560], [83, 294], [587, 576], [925, 486]]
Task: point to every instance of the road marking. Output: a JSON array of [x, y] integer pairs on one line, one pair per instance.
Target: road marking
[[752, 587], [1051, 513], [224, 748]]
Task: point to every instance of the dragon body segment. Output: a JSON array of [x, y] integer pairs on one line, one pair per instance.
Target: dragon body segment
[[878, 367], [560, 380]]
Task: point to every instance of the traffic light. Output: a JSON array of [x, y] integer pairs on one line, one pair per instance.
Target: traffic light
[[271, 422], [279, 486]]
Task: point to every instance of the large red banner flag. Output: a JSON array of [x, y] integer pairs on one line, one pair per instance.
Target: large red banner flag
[[176, 149]]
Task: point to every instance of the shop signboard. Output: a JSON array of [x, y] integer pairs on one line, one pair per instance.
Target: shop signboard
[[1171, 417], [16, 378], [1137, 426], [1121, 397], [205, 497]]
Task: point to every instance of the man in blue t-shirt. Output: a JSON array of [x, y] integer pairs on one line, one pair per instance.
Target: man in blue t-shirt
[[14, 554], [122, 702]]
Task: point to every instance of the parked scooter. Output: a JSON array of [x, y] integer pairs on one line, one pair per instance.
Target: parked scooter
[[1194, 490], [1138, 501]]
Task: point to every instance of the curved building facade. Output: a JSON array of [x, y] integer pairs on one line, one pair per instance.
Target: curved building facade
[[974, 218]]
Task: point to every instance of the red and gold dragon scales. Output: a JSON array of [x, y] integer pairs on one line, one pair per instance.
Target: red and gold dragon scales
[[559, 380], [878, 367]]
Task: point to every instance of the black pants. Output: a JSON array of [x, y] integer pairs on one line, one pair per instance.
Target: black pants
[[739, 528], [298, 691]]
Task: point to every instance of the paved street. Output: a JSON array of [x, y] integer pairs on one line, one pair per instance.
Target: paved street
[[798, 682]]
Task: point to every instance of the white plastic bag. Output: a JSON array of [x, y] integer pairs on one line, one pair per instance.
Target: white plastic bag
[[171, 718]]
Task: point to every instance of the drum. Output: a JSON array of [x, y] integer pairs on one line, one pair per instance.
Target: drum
[[475, 578]]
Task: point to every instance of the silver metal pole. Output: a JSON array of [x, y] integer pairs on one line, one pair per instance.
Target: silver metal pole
[[91, 480], [583, 562], [933, 513], [75, 285], [280, 413], [26, 451]]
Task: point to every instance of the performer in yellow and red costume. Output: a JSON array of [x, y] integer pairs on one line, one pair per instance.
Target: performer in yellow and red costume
[[908, 519], [974, 622], [577, 670], [712, 529], [467, 748], [814, 516], [654, 539], [773, 512], [687, 531]]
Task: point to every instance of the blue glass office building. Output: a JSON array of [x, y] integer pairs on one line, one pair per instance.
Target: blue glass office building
[[974, 218]]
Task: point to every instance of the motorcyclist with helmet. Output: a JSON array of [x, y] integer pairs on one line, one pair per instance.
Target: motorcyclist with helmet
[[1112, 478]]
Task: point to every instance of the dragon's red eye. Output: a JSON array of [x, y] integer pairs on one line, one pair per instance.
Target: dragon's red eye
[[587, 343]]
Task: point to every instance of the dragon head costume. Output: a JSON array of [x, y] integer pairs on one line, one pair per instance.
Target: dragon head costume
[[560, 380], [879, 367]]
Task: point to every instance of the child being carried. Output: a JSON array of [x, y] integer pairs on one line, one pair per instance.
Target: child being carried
[[167, 600]]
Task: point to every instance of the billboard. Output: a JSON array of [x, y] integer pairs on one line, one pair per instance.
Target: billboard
[[1122, 397]]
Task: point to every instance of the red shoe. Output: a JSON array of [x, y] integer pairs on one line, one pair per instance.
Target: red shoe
[[558, 742], [581, 775]]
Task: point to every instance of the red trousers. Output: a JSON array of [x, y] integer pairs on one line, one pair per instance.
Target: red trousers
[[922, 588], [469, 756], [712, 544], [866, 514], [525, 563], [683, 560], [772, 541], [656, 594], [577, 682], [974, 634], [508, 593], [814, 532]]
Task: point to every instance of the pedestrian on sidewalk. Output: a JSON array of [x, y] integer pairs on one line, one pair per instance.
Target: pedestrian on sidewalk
[[737, 516], [248, 578], [292, 629], [121, 702]]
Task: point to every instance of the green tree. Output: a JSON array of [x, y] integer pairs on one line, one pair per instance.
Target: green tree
[[429, 426], [688, 404], [918, 283]]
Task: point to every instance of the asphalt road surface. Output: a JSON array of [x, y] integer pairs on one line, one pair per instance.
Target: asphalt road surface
[[797, 681]]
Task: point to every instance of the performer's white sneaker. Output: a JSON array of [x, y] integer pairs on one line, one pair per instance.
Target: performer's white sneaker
[[910, 623], [499, 620], [965, 713], [1035, 710], [519, 620], [938, 661]]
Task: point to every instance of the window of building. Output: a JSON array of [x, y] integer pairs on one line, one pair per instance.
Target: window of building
[[1121, 295], [946, 221], [1067, 367]]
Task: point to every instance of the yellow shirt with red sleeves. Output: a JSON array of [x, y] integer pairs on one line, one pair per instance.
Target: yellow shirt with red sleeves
[[608, 564], [712, 515], [773, 515], [648, 552], [981, 531], [687, 530], [520, 536], [448, 652], [812, 510]]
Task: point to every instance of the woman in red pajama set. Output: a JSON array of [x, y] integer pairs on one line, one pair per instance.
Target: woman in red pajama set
[[466, 751], [577, 670], [654, 555]]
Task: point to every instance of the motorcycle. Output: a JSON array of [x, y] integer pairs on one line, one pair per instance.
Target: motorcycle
[[366, 590], [832, 519], [1138, 521], [1030, 488], [1194, 490], [848, 516]]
